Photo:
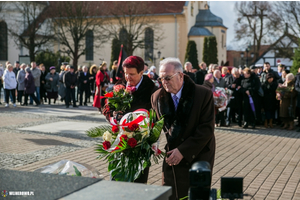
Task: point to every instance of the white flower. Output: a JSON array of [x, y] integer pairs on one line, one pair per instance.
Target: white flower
[[129, 134], [145, 132], [107, 136]]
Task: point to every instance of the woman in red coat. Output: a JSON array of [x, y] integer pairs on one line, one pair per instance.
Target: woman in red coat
[[102, 80]]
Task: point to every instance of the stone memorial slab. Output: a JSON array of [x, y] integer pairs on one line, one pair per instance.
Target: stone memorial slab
[[63, 127], [113, 190], [39, 185]]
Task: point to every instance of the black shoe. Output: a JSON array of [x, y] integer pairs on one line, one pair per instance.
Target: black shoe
[[24, 104], [54, 101], [245, 125], [253, 126], [85, 104], [240, 124], [67, 106], [75, 106], [31, 104], [80, 104]]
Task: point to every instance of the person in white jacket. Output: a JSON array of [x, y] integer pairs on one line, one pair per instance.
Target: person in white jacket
[[9, 84]]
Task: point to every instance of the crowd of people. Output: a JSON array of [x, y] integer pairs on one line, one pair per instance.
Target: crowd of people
[[260, 83], [256, 98]]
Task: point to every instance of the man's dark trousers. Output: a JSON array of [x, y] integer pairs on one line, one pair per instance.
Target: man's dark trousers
[[70, 92]]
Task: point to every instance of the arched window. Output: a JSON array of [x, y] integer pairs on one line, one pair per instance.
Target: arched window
[[123, 34], [3, 41], [89, 45], [149, 37]]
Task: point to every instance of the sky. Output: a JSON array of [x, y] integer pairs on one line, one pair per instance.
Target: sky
[[225, 10]]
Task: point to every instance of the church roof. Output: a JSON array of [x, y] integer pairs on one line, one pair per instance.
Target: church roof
[[207, 18], [199, 31]]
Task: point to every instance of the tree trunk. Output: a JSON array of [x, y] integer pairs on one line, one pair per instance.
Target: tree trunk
[[31, 50]]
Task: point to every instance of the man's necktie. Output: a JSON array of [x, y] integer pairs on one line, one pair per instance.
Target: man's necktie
[[175, 100]]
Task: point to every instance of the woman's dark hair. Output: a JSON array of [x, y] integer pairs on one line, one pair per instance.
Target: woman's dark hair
[[134, 62]]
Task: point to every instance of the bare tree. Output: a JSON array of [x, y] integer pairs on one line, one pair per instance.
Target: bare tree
[[130, 22], [72, 20], [37, 32], [289, 13], [257, 22]]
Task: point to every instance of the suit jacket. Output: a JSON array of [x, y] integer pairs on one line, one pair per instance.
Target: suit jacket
[[221, 83], [190, 129], [70, 79], [82, 78], [199, 76]]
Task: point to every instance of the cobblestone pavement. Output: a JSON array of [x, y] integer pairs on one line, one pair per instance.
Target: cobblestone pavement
[[268, 159]]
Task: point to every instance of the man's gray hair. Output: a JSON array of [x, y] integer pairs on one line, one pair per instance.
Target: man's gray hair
[[187, 63], [172, 61], [216, 71], [84, 67], [234, 70]]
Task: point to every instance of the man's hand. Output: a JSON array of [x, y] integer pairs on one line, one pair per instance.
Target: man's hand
[[174, 158], [233, 86], [84, 81], [51, 79], [91, 78], [247, 92]]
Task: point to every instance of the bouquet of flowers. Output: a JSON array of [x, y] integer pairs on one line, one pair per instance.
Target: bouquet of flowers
[[282, 90], [129, 145], [221, 98], [119, 99]]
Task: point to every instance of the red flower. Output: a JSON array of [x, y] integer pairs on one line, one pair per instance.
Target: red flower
[[115, 129], [117, 88], [132, 142], [123, 136], [106, 145], [158, 152], [109, 95], [152, 125], [133, 127]]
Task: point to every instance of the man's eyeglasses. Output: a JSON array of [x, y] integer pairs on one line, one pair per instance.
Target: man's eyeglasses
[[167, 78]]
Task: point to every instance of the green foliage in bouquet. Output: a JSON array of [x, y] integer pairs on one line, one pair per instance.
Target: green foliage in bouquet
[[132, 155]]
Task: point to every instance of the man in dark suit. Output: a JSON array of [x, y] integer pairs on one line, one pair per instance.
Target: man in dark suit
[[84, 85], [200, 74], [70, 81], [188, 111], [188, 70]]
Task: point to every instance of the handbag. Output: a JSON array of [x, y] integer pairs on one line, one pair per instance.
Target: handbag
[[260, 92], [47, 85]]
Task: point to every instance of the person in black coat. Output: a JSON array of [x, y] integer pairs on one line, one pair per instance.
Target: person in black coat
[[84, 85], [249, 87], [93, 72], [113, 73], [200, 74], [141, 88], [233, 81], [297, 88], [188, 68], [70, 81], [269, 100], [267, 69], [43, 82]]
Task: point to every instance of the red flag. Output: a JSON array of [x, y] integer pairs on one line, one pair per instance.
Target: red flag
[[122, 57]]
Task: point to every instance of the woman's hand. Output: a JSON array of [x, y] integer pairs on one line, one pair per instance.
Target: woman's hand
[[248, 93]]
